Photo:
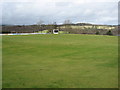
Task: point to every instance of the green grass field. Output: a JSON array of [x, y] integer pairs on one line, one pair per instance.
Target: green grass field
[[60, 61]]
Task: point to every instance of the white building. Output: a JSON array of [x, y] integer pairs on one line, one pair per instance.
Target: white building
[[55, 31]]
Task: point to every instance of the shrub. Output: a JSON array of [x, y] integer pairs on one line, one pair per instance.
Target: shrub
[[109, 33], [97, 33]]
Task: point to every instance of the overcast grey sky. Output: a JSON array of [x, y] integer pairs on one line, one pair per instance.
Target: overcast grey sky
[[49, 11]]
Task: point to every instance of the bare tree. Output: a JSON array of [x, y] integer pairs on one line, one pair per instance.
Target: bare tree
[[39, 23], [68, 27], [55, 25], [67, 22]]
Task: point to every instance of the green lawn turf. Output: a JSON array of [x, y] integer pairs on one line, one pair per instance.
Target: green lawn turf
[[60, 61]]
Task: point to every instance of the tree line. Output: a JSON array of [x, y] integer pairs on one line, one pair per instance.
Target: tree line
[[66, 27]]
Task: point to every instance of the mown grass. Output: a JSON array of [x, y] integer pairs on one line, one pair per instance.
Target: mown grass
[[60, 61]]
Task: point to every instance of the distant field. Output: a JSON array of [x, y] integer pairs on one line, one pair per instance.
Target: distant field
[[91, 27], [60, 61]]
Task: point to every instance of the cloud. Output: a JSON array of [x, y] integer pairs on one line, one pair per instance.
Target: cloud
[[31, 11]]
